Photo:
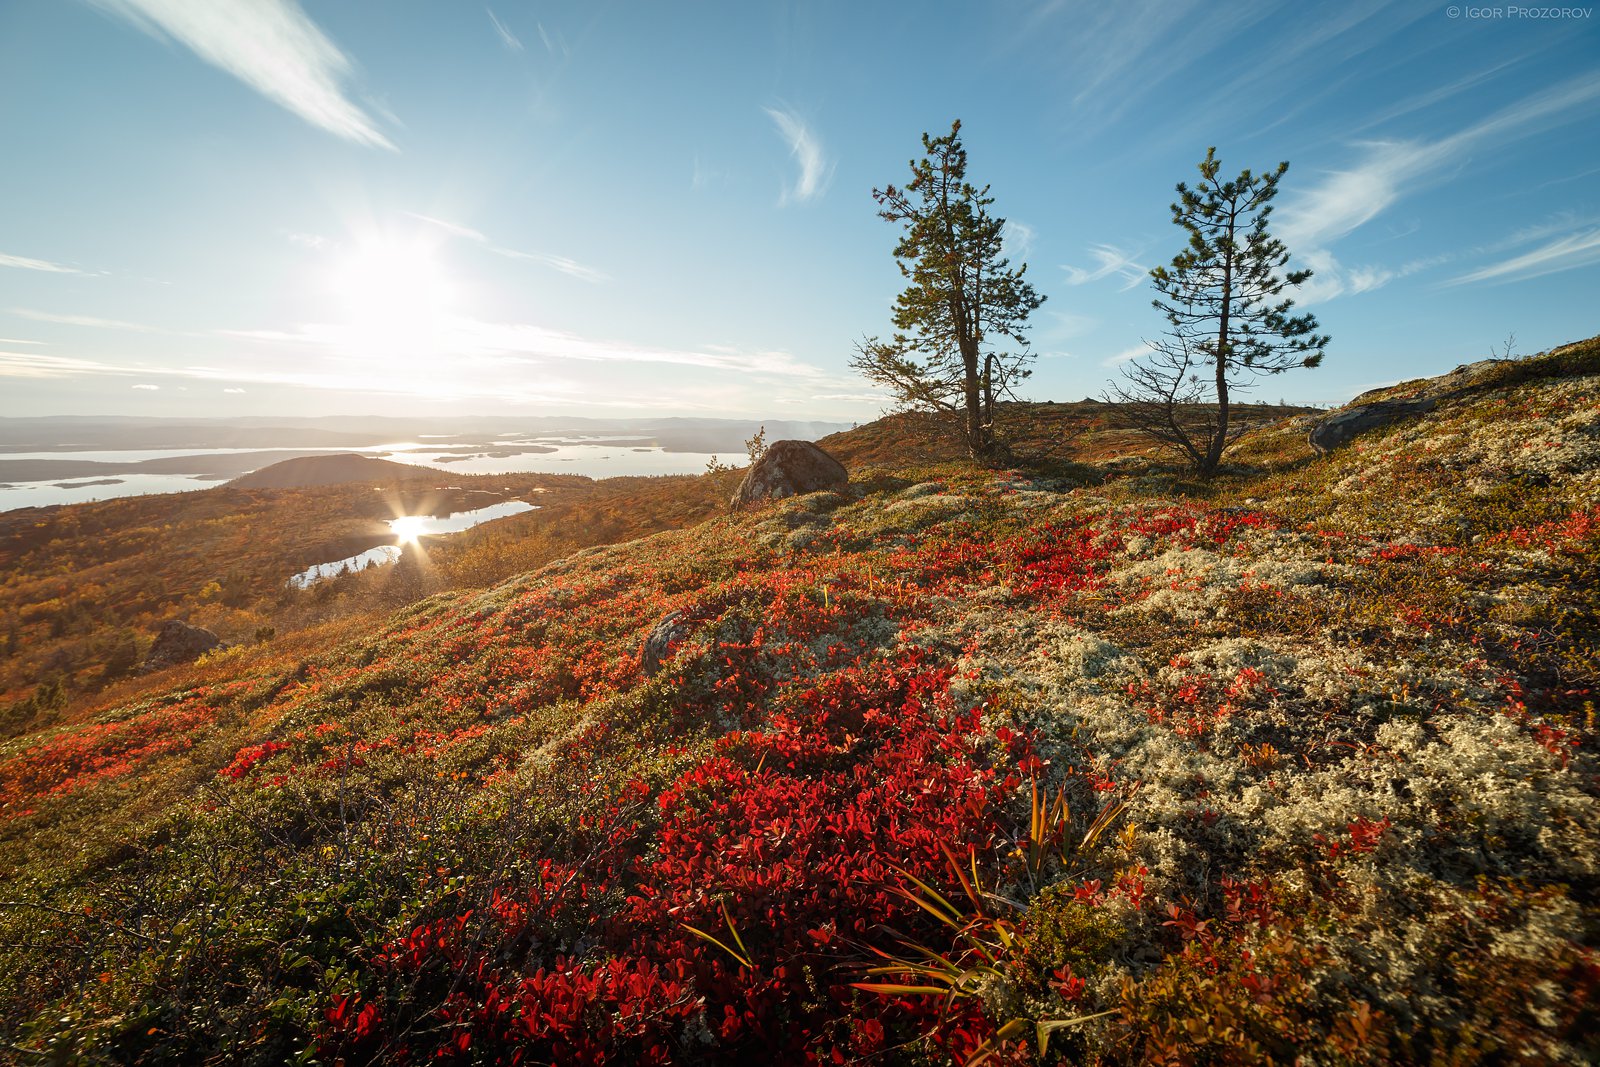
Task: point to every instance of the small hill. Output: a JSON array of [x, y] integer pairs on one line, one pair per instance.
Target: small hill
[[336, 469], [952, 765], [1036, 432]]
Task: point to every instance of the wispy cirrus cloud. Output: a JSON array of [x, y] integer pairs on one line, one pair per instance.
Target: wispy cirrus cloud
[[25, 263], [1017, 238], [570, 267], [1330, 278], [1390, 170], [40, 365], [83, 320], [496, 346], [1125, 355], [271, 46], [1109, 260], [1577, 249], [564, 264], [554, 43], [507, 38], [815, 170]]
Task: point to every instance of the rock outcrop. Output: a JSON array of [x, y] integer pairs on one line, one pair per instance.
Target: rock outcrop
[[178, 642], [1378, 408], [790, 468], [1342, 426]]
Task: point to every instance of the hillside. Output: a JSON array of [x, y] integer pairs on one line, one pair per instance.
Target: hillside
[[1086, 758], [84, 587], [1041, 436], [334, 470]]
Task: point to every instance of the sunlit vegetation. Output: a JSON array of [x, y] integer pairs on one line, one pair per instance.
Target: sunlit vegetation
[[1082, 763], [83, 588]]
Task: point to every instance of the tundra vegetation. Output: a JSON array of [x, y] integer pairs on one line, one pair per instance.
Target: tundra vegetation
[[1079, 761]]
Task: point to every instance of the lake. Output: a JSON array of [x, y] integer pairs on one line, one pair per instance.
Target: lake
[[76, 477], [406, 529]]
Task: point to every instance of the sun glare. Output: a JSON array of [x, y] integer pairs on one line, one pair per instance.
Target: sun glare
[[393, 296], [408, 528]]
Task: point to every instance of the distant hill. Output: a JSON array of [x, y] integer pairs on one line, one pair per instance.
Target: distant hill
[[334, 470]]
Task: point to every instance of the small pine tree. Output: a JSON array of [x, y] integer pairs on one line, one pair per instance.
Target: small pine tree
[[1227, 318], [962, 302], [755, 446]]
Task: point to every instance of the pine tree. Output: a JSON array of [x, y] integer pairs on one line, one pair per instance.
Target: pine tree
[[1227, 318], [963, 300]]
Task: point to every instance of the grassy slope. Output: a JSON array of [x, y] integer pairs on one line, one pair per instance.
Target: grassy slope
[[1322, 738]]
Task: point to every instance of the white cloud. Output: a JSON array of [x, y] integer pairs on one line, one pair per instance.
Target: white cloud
[[233, 389], [83, 320], [476, 346], [24, 263], [146, 386], [806, 150], [1109, 260], [565, 265], [452, 228], [1390, 170], [271, 46], [35, 365], [555, 44], [1578, 249], [1350, 198], [1017, 237], [1347, 199], [1125, 355], [507, 38]]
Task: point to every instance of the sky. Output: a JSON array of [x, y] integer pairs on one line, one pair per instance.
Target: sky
[[252, 207]]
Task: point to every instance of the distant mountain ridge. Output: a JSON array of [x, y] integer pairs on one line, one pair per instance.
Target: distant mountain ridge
[[65, 433]]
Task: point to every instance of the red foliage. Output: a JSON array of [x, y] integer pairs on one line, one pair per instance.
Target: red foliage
[[792, 835]]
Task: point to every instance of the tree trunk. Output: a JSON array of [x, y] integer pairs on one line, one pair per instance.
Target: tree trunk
[[978, 437], [1213, 458]]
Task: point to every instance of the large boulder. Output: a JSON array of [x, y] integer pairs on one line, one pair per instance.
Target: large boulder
[[178, 642], [790, 468], [1343, 426]]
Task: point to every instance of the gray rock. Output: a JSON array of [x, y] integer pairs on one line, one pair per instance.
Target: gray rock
[[1369, 412], [178, 642], [790, 468], [658, 647], [1342, 427]]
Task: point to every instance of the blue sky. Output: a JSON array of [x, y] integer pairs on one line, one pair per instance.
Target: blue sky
[[241, 207]]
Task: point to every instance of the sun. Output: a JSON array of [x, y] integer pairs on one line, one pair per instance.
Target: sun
[[394, 297], [408, 528]]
